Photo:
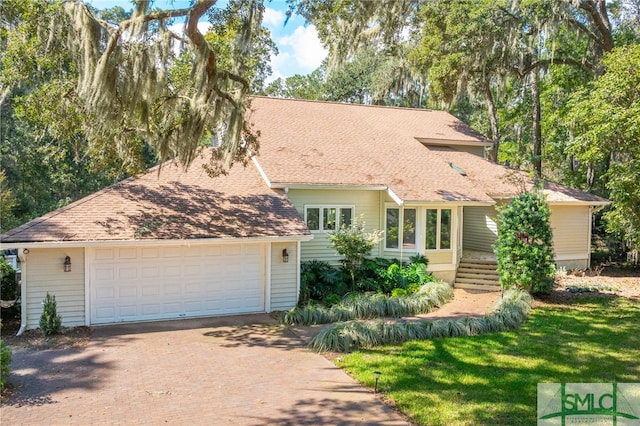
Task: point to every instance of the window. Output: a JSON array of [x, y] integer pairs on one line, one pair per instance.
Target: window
[[394, 216], [327, 218], [438, 229]]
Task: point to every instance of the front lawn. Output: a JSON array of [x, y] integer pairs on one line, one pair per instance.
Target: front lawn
[[492, 378]]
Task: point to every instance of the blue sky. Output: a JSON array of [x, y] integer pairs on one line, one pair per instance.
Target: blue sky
[[300, 51]]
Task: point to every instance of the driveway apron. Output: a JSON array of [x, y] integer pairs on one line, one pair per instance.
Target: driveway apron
[[244, 370]]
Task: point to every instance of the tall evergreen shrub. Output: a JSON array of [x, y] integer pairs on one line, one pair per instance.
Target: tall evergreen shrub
[[524, 248], [50, 321]]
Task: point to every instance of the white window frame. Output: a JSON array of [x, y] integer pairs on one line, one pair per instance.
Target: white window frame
[[321, 208], [401, 247], [438, 228]]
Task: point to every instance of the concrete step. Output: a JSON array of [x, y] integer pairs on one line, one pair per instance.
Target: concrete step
[[483, 287], [478, 261], [477, 277], [488, 272], [481, 267], [477, 280]]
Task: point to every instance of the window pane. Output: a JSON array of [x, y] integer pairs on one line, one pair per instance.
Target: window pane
[[345, 216], [391, 228], [445, 229], [313, 219], [329, 218], [432, 229], [409, 229]]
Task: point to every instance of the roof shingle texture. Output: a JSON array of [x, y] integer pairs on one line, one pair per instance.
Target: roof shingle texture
[[499, 181], [321, 143], [174, 204]]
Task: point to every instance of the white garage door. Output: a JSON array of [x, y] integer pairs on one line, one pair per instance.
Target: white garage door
[[149, 283]]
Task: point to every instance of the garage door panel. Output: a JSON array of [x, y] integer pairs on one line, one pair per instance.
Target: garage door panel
[[148, 283]]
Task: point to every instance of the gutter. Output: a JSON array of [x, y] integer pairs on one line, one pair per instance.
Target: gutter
[[188, 243]]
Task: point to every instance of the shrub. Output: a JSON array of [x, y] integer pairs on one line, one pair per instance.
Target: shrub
[[524, 248], [50, 321], [8, 287], [318, 280], [5, 362], [354, 244], [398, 276]]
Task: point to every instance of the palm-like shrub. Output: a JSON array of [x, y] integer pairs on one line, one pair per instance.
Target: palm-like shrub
[[5, 361]]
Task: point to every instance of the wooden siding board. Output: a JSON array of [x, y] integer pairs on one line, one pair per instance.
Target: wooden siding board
[[283, 277], [570, 225], [366, 203], [44, 273], [480, 228]]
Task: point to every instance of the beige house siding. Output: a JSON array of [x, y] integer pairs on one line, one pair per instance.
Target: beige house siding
[[284, 277], [44, 273], [366, 203], [480, 229], [571, 231]]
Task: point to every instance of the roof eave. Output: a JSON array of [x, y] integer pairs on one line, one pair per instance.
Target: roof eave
[[156, 242]]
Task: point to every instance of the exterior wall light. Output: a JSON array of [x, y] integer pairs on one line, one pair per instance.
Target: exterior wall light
[[285, 256], [25, 251], [67, 264]]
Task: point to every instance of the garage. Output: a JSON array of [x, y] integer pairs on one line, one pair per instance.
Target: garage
[[162, 282]]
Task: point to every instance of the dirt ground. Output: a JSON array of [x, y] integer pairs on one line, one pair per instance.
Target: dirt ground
[[606, 281]]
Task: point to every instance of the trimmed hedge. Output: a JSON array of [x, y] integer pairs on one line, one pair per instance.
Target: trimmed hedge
[[509, 313]]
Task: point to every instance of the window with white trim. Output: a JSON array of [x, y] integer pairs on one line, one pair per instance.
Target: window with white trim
[[328, 218], [394, 216], [438, 229]]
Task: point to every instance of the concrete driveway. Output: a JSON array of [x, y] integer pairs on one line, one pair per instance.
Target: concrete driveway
[[244, 370]]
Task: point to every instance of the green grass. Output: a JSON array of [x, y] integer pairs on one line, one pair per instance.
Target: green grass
[[492, 379]]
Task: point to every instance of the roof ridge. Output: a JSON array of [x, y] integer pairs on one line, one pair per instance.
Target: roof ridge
[[320, 101]]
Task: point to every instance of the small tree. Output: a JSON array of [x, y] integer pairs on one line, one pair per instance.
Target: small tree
[[524, 248], [50, 321], [354, 244]]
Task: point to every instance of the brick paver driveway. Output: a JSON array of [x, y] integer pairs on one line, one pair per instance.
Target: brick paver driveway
[[243, 370]]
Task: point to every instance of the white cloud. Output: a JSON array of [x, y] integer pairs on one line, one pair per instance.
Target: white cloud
[[273, 18], [307, 51]]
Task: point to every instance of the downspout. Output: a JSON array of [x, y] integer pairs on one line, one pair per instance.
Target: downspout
[[23, 290]]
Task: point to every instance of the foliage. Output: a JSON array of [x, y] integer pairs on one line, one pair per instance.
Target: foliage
[[372, 305], [524, 248], [491, 378], [397, 276], [8, 288], [354, 244], [7, 203], [318, 280], [50, 321], [511, 311], [606, 115], [5, 364], [117, 85], [8, 283]]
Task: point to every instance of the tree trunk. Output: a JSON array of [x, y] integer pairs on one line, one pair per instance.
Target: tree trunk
[[537, 131], [493, 120]]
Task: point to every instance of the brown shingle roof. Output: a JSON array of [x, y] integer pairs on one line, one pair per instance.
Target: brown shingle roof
[[172, 205], [499, 181], [321, 143]]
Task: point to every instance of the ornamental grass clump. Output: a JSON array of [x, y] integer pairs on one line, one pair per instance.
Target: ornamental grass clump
[[509, 313], [371, 305]]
